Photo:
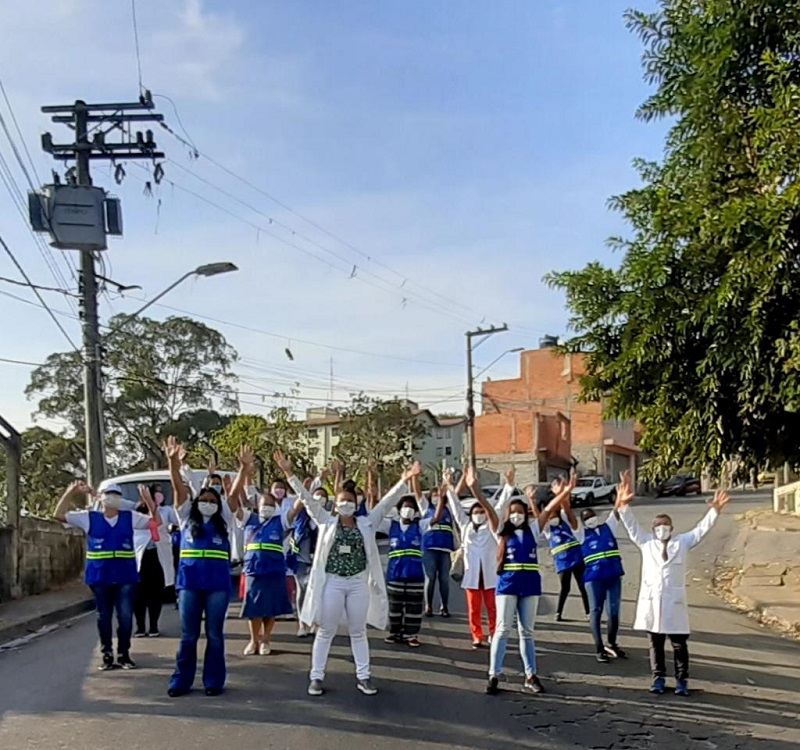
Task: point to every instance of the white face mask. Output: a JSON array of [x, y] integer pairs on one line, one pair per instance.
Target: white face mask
[[112, 501], [407, 513], [517, 519], [321, 499], [663, 532], [479, 519], [592, 523], [207, 509], [346, 510], [266, 512], [554, 522]]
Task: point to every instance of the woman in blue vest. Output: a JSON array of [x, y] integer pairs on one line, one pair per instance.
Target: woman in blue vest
[[565, 549], [303, 542], [519, 582], [110, 561], [204, 581], [405, 576], [266, 596], [603, 578], [438, 544]]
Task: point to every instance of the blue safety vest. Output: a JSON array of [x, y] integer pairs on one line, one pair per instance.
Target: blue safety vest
[[204, 560], [303, 540], [564, 547], [263, 546], [110, 556], [520, 575], [439, 536], [601, 554], [405, 552]]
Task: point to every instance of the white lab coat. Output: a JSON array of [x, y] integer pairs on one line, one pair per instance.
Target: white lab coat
[[480, 545], [662, 606], [378, 614], [142, 537]]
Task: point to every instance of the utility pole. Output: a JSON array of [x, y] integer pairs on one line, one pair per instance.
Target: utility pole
[[79, 217], [471, 335]]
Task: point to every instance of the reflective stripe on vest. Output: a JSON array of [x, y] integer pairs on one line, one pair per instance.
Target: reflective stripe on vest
[[564, 547], [510, 567], [264, 547], [442, 527], [293, 546], [212, 553], [125, 554], [601, 555], [406, 553]]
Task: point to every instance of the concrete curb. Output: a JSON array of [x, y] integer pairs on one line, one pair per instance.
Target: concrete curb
[[21, 629]]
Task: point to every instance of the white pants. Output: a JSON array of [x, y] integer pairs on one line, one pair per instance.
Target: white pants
[[348, 596]]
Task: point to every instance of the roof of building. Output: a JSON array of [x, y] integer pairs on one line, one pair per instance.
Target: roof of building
[[439, 421]]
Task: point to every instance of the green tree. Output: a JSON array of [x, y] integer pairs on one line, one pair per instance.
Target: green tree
[[386, 432], [155, 371], [196, 430], [696, 333]]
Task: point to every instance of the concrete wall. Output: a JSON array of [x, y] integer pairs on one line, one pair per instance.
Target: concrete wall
[[49, 556]]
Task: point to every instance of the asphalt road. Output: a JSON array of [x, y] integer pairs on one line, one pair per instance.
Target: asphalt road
[[745, 682]]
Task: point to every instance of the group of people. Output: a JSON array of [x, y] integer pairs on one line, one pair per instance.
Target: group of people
[[323, 538]]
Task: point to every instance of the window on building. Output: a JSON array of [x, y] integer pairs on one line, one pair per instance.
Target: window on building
[[439, 452], [448, 451], [313, 433], [448, 433], [334, 432]]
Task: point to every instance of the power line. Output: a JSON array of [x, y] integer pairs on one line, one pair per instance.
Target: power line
[[39, 287], [136, 44]]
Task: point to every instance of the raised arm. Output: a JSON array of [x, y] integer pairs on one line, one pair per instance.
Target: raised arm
[[71, 494], [506, 493], [314, 508], [422, 501], [338, 475], [174, 450], [246, 463], [566, 504], [458, 513], [554, 506], [391, 498], [474, 486], [152, 508], [625, 495], [695, 536]]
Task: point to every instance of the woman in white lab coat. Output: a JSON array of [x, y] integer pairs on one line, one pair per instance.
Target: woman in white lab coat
[[662, 609], [346, 578]]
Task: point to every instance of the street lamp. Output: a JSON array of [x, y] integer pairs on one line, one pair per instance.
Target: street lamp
[[515, 350]]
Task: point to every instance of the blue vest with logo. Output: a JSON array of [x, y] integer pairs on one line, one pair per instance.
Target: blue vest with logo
[[564, 547], [520, 575], [204, 560], [440, 536], [263, 546], [405, 552], [303, 540], [601, 554], [110, 556]]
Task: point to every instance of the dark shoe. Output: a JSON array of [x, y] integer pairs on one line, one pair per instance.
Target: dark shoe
[[533, 685], [616, 651], [315, 688], [155, 633], [491, 686], [413, 642], [126, 662], [366, 687], [559, 618], [428, 612], [445, 613], [602, 657], [393, 638], [107, 663], [140, 634], [176, 692], [214, 692], [682, 688], [659, 686], [477, 645]]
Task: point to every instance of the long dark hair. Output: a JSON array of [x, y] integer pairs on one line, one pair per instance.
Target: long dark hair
[[196, 522], [508, 531]]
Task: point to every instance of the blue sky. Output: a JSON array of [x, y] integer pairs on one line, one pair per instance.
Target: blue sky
[[459, 149]]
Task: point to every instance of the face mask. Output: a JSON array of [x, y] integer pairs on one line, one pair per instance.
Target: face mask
[[159, 498], [207, 508], [346, 510], [112, 501], [279, 493], [517, 519], [407, 513], [663, 532], [266, 512], [219, 488], [321, 499], [592, 523], [554, 522], [479, 519]]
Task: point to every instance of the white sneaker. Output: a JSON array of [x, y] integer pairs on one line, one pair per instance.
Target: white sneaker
[[265, 649], [250, 649], [303, 632], [366, 687]]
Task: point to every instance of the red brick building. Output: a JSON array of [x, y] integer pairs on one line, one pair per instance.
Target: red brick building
[[536, 422]]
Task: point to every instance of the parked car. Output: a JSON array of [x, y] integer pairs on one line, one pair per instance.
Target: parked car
[[591, 490], [679, 486], [491, 492]]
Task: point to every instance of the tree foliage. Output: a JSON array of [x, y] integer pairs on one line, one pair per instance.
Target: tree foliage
[[155, 372], [697, 332], [386, 432]]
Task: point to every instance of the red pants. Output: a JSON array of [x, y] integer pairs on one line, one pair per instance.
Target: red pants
[[476, 600]]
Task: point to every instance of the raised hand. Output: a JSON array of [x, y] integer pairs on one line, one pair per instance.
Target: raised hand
[[246, 456], [720, 500], [573, 480], [625, 492], [284, 463], [227, 483], [325, 475], [336, 466], [447, 479], [413, 471], [79, 487], [145, 496], [511, 476], [212, 466], [558, 485], [172, 448], [182, 454], [471, 477]]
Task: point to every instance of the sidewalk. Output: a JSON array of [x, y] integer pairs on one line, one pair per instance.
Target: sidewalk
[[20, 617], [767, 584]]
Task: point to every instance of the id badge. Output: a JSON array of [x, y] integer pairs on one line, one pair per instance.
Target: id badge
[[344, 549]]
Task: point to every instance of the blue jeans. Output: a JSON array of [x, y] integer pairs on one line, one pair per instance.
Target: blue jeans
[[120, 597], [193, 604], [437, 568], [525, 608], [606, 592]]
